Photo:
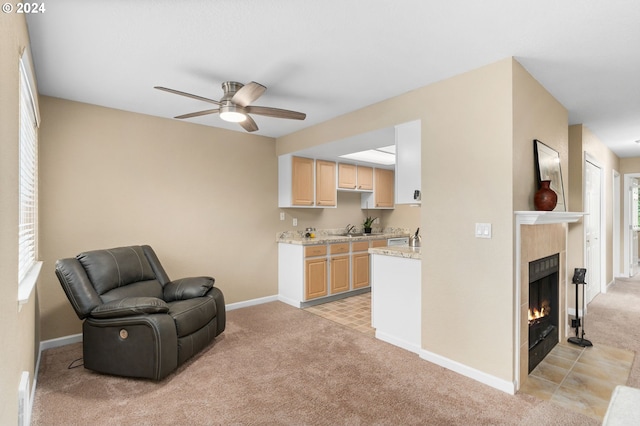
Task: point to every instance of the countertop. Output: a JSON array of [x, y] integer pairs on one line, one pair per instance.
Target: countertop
[[324, 237], [398, 251]]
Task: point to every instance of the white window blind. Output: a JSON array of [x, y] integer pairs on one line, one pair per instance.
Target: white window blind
[[28, 215]]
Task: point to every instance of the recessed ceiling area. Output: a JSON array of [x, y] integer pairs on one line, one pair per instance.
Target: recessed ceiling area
[[346, 150], [330, 58]]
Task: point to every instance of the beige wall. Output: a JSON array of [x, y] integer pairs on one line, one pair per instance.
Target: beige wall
[[19, 331], [203, 198], [477, 166]]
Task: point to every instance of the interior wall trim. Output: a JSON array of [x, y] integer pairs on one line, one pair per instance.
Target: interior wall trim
[[472, 373]]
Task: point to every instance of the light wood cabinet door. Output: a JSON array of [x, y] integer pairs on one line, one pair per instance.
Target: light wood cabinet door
[[384, 188], [360, 264], [347, 175], [315, 282], [379, 243], [325, 183], [365, 178], [339, 274], [301, 181]]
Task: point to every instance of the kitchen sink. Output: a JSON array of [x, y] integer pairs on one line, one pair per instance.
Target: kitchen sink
[[357, 234]]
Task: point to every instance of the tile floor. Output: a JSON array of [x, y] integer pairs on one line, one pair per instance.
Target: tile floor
[[580, 379], [353, 312]]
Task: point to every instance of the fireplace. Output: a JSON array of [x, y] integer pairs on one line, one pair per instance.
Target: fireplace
[[543, 308]]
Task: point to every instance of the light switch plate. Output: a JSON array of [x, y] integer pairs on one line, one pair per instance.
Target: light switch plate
[[483, 230]]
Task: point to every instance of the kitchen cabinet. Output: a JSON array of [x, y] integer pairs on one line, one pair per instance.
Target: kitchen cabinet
[[312, 272], [339, 267], [302, 181], [326, 194], [315, 272], [351, 176], [382, 196], [408, 163], [306, 182], [360, 264], [315, 278]]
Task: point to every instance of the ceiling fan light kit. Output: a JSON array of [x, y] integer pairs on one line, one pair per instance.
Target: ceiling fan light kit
[[232, 114], [235, 105]]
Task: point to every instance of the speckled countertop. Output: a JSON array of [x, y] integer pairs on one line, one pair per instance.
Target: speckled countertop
[[325, 236], [398, 251]]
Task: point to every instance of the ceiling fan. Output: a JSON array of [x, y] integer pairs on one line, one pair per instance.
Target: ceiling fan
[[235, 106]]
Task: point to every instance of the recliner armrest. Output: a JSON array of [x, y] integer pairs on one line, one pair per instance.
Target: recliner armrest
[[187, 288], [130, 306]]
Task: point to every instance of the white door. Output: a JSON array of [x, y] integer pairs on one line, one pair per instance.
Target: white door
[[633, 228], [593, 206]]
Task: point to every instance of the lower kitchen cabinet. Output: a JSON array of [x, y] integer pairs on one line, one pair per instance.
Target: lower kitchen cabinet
[[315, 278], [360, 264], [309, 273], [360, 270], [339, 274]]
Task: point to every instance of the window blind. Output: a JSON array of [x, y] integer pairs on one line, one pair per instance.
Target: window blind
[[28, 179]]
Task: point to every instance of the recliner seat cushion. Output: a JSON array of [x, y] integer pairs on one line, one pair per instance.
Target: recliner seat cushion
[[192, 314], [112, 268]]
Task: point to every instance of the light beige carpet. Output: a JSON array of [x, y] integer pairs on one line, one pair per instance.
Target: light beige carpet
[[278, 365]]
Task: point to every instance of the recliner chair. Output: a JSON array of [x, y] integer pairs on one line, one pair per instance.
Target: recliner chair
[[137, 322]]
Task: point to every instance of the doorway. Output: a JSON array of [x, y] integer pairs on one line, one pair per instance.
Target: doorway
[[630, 226], [593, 229]]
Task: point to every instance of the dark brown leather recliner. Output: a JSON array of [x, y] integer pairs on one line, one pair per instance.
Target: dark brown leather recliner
[[137, 322]]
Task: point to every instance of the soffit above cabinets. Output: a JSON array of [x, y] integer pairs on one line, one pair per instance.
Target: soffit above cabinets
[[377, 139]]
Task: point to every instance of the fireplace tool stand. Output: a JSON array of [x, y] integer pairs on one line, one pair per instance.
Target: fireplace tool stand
[[578, 279]]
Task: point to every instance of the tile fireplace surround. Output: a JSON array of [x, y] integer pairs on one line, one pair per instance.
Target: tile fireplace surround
[[538, 234]]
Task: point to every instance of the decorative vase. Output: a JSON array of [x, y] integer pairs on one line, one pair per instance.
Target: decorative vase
[[545, 198]]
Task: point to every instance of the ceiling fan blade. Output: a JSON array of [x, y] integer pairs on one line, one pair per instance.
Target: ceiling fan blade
[[199, 113], [249, 125], [276, 112], [248, 93], [189, 95]]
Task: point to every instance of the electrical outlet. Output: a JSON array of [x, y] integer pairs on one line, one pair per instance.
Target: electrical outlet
[[281, 215], [295, 221]]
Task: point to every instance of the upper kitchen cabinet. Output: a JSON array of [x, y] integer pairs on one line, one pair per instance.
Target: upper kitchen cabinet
[[353, 177], [382, 196], [408, 163], [302, 181], [306, 182], [325, 183]]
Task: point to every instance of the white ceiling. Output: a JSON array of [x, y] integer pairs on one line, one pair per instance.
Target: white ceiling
[[327, 58]]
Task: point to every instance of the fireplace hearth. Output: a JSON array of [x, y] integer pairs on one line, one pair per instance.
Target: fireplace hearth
[[543, 308]]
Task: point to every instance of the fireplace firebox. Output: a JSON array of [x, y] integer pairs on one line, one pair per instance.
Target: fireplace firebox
[[543, 308]]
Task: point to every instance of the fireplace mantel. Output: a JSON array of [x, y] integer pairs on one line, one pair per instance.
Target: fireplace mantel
[[543, 217]]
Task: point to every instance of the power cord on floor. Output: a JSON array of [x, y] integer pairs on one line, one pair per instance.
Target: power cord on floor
[[74, 365]]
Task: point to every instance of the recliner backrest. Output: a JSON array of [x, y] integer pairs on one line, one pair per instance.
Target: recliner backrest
[[117, 267], [100, 276]]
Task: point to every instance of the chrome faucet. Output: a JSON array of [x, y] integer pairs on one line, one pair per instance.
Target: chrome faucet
[[350, 228]]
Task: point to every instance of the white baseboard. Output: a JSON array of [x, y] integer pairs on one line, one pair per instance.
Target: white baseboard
[[406, 345], [60, 341], [288, 301], [472, 373], [252, 302]]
